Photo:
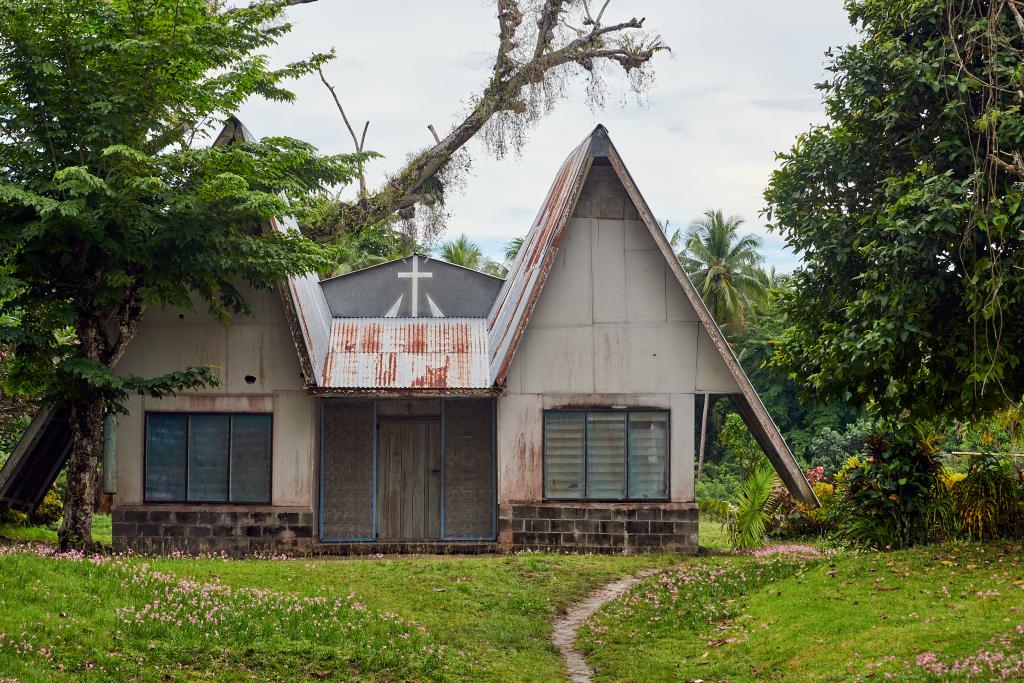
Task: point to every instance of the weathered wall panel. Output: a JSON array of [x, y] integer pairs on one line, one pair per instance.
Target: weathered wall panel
[[469, 494], [632, 343], [347, 493], [713, 377], [644, 357], [520, 439], [295, 431], [257, 348], [645, 286], [567, 297], [607, 251], [681, 474], [558, 358]]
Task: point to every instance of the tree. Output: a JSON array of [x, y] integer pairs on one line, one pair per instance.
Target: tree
[[725, 268], [799, 416], [462, 252], [106, 209], [906, 208], [542, 45]]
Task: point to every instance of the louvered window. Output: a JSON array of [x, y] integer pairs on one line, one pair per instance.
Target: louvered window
[[606, 455], [208, 457]]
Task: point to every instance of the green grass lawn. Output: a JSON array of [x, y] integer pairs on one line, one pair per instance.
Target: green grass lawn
[[713, 536], [930, 613], [456, 618], [100, 531]]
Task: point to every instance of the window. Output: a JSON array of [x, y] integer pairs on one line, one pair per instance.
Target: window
[[606, 455], [208, 457]]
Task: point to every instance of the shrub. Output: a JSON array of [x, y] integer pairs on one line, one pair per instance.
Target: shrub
[[12, 518], [793, 518], [830, 448], [885, 495], [50, 510], [987, 502], [940, 514]]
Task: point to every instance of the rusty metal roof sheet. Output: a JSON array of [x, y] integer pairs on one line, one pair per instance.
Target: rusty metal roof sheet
[[309, 318], [407, 353]]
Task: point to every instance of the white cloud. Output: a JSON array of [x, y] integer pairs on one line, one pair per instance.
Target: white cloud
[[737, 88]]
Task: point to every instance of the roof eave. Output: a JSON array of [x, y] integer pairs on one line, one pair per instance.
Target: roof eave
[[410, 392]]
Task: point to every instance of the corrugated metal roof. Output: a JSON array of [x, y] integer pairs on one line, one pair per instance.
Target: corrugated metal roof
[[407, 353]]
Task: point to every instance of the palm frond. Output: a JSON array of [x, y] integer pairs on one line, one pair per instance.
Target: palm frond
[[754, 506]]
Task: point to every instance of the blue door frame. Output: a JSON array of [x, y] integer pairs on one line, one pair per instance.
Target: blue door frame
[[373, 483]]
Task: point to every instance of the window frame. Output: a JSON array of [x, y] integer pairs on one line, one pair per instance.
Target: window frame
[[625, 412], [188, 415]]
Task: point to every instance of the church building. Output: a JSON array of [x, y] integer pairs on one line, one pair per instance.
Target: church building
[[421, 406]]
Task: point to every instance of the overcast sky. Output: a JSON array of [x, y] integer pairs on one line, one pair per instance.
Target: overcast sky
[[737, 88]]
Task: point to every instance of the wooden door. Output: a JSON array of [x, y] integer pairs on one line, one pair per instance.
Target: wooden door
[[409, 480]]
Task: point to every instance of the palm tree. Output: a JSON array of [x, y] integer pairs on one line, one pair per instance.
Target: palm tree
[[726, 268], [512, 249], [463, 252]]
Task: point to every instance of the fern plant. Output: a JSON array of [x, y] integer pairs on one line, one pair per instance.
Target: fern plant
[[754, 507]]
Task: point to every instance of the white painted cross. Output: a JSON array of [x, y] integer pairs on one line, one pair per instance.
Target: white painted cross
[[415, 276]]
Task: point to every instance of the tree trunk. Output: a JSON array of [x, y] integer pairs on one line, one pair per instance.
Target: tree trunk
[[703, 435], [86, 418]]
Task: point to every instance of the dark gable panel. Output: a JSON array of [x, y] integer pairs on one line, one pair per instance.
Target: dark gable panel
[[346, 494], [469, 469], [370, 293]]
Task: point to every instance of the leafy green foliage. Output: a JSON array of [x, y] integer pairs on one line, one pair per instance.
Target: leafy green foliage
[[754, 507], [830, 449], [462, 252], [50, 509], [885, 495], [15, 410], [105, 208], [807, 422], [744, 453], [908, 215]]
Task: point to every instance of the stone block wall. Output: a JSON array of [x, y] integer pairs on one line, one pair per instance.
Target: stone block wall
[[599, 527], [158, 529]]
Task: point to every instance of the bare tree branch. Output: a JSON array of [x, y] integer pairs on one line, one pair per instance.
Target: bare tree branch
[[1014, 169], [1016, 15], [357, 141], [517, 76], [129, 315], [549, 15], [509, 19]]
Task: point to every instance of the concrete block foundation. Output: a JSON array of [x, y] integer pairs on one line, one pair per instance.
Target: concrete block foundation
[[598, 527], [164, 529]]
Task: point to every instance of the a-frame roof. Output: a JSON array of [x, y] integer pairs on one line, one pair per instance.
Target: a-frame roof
[[518, 298]]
